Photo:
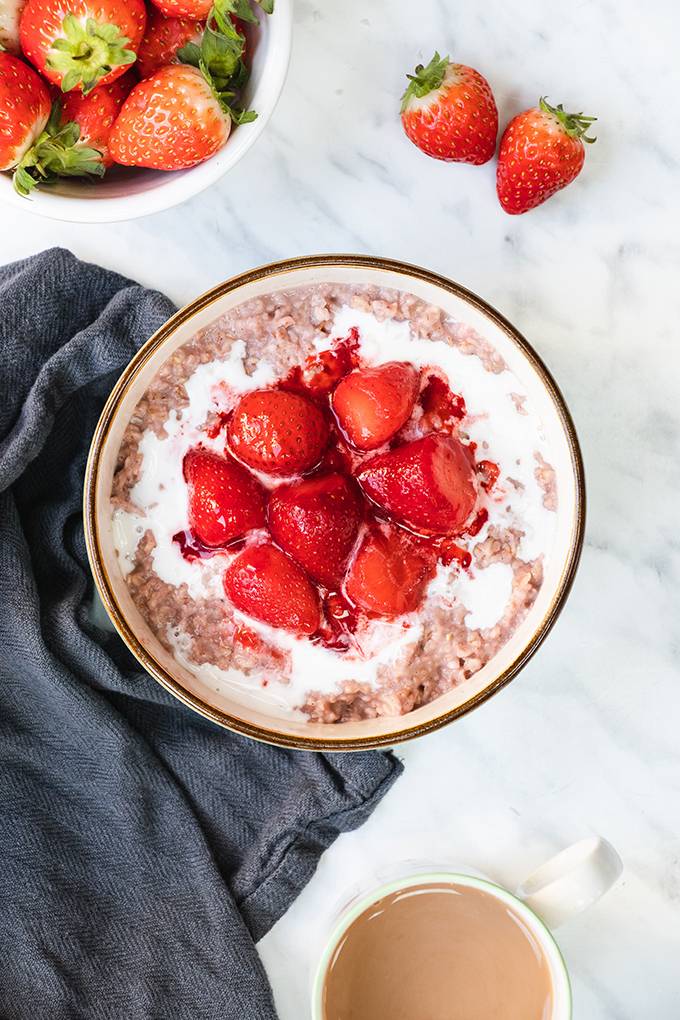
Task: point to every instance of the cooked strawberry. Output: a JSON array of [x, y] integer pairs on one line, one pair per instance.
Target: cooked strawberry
[[541, 152], [372, 404], [389, 573], [277, 432], [225, 500], [449, 112], [442, 408], [264, 583], [76, 138], [10, 15], [316, 521], [170, 121], [162, 39], [82, 43], [24, 109], [429, 485]]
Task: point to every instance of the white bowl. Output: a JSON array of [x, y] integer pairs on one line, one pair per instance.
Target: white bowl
[[561, 560], [126, 193]]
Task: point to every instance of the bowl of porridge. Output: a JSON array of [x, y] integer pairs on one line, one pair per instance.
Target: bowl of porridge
[[335, 502]]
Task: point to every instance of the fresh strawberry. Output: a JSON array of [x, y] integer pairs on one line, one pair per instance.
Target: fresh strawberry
[[24, 109], [317, 521], [170, 121], [225, 500], [429, 485], [181, 114], [198, 10], [541, 152], [278, 432], [76, 139], [389, 573], [82, 43], [10, 15], [96, 112], [264, 583], [449, 112], [162, 39], [372, 404]]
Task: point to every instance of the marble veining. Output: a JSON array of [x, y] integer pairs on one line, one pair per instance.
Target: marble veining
[[586, 739]]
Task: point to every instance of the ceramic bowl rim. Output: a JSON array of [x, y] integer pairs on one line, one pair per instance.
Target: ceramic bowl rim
[[153, 344]]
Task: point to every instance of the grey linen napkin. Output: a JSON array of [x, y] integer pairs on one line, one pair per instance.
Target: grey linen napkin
[[143, 850]]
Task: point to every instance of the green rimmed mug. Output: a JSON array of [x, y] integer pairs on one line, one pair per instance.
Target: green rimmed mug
[[561, 888]]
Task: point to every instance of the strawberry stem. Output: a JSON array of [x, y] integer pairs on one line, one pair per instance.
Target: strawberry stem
[[219, 57], [425, 79], [87, 52], [574, 124], [57, 152]]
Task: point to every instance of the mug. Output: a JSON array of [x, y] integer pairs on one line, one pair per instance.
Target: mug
[[561, 888]]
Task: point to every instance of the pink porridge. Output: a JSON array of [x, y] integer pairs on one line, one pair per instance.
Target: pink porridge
[[336, 501]]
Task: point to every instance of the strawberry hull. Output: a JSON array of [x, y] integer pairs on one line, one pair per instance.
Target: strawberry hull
[[97, 40]]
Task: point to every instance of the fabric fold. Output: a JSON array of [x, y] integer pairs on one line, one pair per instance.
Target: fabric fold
[[143, 849]]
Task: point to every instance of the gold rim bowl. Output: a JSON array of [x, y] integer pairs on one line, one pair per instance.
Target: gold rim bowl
[[561, 561]]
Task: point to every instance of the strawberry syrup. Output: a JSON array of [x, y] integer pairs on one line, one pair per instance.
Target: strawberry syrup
[[192, 548], [341, 620], [321, 372]]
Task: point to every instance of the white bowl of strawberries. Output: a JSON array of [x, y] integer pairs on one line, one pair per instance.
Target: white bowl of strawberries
[[113, 109]]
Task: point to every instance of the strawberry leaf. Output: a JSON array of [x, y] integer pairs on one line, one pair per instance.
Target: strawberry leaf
[[574, 124], [87, 52], [226, 98], [240, 116], [241, 9], [190, 54], [223, 9], [57, 152], [425, 79], [219, 55]]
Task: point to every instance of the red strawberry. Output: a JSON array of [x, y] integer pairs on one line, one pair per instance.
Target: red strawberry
[[198, 10], [162, 39], [24, 109], [277, 432], [75, 140], [428, 485], [449, 112], [541, 152], [170, 121], [225, 500], [316, 521], [389, 574], [10, 15], [96, 112], [264, 583], [372, 404], [82, 43]]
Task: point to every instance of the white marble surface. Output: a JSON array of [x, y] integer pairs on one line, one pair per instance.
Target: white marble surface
[[586, 740]]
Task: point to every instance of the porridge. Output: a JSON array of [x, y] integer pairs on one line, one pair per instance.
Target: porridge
[[335, 502]]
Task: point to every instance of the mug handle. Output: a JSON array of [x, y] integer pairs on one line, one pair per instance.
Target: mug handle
[[571, 881]]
